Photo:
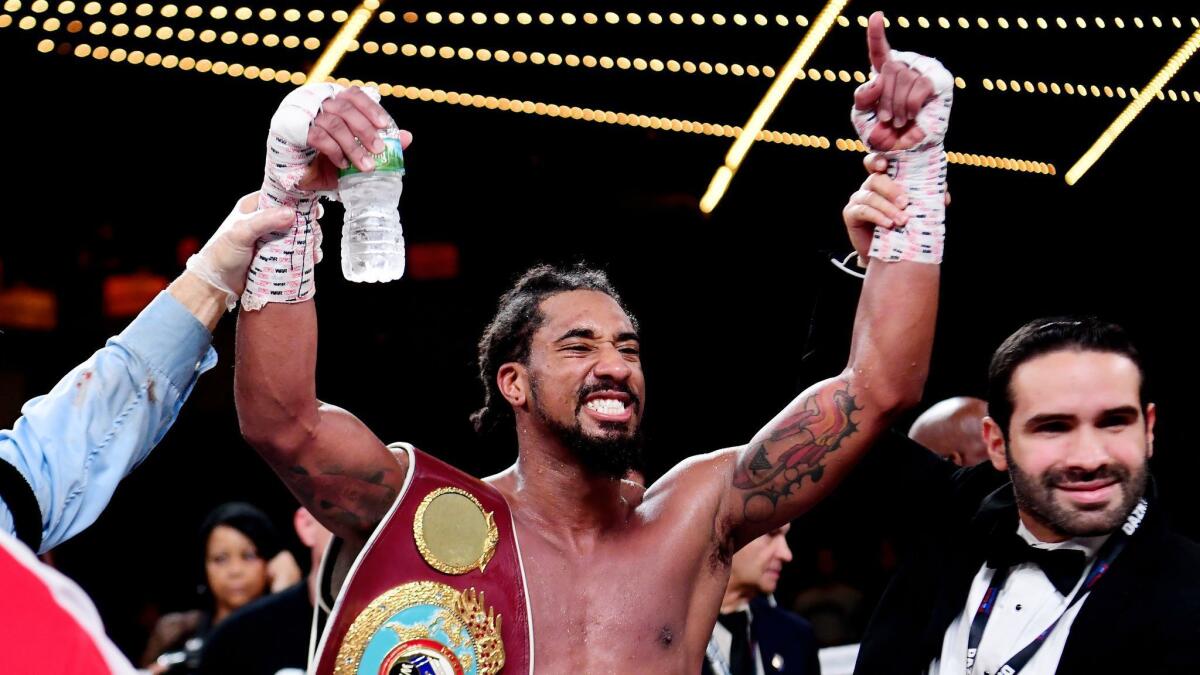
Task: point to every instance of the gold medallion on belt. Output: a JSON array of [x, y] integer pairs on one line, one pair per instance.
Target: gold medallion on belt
[[427, 627], [453, 531]]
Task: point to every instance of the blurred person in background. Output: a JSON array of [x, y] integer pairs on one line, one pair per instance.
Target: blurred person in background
[[953, 428], [282, 621], [752, 635], [243, 560]]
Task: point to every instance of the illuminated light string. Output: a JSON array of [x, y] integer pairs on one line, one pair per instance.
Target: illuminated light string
[[1017, 86], [1095, 91], [280, 76], [739, 20], [164, 33], [968, 159], [171, 61], [192, 11], [428, 51], [447, 52], [570, 60], [1013, 86], [464, 53], [138, 57], [1131, 111], [552, 59]]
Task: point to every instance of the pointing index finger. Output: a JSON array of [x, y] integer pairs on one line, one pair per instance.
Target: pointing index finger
[[877, 44]]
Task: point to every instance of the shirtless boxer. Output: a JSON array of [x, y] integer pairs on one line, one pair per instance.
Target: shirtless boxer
[[619, 577]]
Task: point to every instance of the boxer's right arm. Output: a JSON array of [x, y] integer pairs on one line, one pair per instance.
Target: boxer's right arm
[[338, 469]]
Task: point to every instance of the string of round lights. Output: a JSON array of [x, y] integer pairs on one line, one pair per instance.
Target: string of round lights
[[250, 38], [740, 20], [521, 106], [154, 59], [968, 159], [538, 58], [1013, 86], [164, 33], [569, 60], [171, 61], [1095, 91], [146, 9]]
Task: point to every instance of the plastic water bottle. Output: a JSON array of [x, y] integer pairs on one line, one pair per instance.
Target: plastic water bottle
[[372, 239]]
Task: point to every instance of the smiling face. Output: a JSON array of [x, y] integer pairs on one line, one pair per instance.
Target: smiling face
[[585, 380], [1078, 442]]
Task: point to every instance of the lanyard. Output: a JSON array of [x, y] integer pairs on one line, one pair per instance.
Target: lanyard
[[1104, 559]]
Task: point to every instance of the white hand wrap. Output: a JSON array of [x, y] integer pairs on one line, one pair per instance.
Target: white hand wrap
[[282, 269], [921, 170]]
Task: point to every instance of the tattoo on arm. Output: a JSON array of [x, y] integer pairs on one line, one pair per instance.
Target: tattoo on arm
[[358, 502], [773, 468]]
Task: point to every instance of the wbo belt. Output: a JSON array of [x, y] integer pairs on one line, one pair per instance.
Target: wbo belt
[[438, 589]]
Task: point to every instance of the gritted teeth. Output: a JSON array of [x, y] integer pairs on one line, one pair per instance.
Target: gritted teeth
[[607, 406]]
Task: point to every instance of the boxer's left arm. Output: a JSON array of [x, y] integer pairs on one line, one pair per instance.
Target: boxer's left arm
[[801, 455]]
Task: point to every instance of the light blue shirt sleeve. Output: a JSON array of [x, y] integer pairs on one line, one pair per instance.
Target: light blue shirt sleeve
[[75, 444]]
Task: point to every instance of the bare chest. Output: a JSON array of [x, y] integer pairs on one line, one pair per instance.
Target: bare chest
[[625, 603]]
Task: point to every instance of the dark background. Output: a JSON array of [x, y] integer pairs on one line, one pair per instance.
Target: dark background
[[111, 165]]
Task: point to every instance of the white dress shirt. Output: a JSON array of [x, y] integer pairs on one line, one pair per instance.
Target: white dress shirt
[[1026, 605]]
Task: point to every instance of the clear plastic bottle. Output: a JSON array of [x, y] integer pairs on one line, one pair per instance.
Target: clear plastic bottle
[[372, 239]]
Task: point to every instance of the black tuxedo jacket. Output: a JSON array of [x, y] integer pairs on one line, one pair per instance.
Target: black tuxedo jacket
[[1143, 616]]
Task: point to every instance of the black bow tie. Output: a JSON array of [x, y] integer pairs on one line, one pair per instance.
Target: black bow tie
[[1062, 566]]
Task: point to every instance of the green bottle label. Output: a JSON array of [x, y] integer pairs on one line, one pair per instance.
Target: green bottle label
[[391, 159]]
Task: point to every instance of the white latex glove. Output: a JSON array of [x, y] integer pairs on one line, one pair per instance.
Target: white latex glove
[[226, 256]]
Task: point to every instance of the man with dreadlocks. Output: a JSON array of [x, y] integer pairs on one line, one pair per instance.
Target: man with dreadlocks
[[607, 576]]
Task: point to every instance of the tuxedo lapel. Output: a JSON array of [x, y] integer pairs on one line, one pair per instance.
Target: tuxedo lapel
[[997, 516]]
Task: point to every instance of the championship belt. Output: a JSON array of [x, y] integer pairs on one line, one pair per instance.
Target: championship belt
[[438, 589]]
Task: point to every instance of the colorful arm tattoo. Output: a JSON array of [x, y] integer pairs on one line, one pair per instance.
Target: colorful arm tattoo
[[771, 470]]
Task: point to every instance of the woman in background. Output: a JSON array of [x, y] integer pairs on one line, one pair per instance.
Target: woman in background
[[243, 560]]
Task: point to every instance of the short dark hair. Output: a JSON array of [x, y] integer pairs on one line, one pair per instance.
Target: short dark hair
[[508, 337], [1042, 336]]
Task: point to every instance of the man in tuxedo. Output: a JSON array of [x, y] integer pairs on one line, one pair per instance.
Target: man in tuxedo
[[1069, 567], [752, 635]]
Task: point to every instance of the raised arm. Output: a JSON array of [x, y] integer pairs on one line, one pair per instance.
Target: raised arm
[[64, 457], [797, 458], [338, 469]]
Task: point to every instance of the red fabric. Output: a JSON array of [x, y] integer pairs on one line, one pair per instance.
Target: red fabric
[[393, 559], [37, 634]]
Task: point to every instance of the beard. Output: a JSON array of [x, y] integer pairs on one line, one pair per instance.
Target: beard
[[609, 454], [1038, 497]]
